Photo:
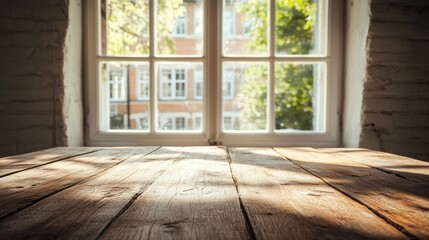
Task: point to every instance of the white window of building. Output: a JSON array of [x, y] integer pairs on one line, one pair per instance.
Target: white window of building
[[143, 123], [173, 83], [117, 83], [142, 75], [180, 26], [229, 22], [198, 84], [228, 84], [177, 121]]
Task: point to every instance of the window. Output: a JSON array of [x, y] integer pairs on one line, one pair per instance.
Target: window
[[227, 123], [143, 123], [173, 84], [117, 82], [198, 84], [228, 84], [229, 22], [173, 121], [180, 26], [143, 83], [263, 72]]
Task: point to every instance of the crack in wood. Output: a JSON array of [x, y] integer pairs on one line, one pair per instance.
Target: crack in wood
[[380, 215], [249, 227]]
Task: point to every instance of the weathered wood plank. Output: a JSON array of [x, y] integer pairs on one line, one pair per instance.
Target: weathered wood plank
[[194, 199], [403, 204], [285, 202], [22, 189], [404, 167], [13, 164], [84, 210]]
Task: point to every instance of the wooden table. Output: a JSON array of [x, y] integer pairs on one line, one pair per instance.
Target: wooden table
[[213, 193]]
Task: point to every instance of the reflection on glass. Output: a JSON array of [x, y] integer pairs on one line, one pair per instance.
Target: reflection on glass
[[179, 27], [180, 96], [245, 27], [124, 27], [295, 92], [299, 27], [244, 96], [128, 94]]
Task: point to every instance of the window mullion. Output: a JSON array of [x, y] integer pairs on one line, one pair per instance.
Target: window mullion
[[152, 98], [271, 103]]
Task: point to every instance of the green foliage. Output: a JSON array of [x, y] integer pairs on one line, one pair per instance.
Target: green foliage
[[295, 26], [254, 96], [127, 25], [293, 96]]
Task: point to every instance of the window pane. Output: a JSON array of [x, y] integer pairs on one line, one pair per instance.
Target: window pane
[[299, 27], [128, 107], [179, 27], [245, 27], [178, 107], [297, 98], [124, 27], [245, 96]]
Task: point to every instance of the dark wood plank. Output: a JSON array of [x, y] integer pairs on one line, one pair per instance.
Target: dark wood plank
[[22, 189], [13, 164], [84, 210], [402, 203], [194, 199], [285, 202], [403, 167]]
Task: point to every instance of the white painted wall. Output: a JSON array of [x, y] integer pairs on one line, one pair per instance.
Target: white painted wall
[[72, 69], [356, 30]]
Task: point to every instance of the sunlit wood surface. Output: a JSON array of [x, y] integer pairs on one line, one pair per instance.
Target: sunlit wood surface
[[213, 193]]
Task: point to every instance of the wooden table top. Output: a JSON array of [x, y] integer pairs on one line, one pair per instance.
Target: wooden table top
[[213, 193]]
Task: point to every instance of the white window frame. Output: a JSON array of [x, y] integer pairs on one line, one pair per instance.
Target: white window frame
[[228, 74], [173, 83], [231, 33], [195, 116], [122, 95], [140, 72], [181, 21], [198, 80], [95, 90], [173, 116]]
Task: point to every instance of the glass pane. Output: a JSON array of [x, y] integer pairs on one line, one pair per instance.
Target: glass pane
[[244, 96], [180, 96], [127, 85], [245, 27], [299, 27], [179, 27], [297, 98], [124, 27]]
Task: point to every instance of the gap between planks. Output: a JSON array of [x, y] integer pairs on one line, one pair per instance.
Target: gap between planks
[[249, 227], [284, 201], [295, 155], [13, 164], [26, 194]]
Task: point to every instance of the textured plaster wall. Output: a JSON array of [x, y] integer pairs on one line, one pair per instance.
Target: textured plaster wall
[[356, 30]]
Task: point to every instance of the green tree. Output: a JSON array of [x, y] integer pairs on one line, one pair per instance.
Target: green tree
[[295, 30], [126, 25]]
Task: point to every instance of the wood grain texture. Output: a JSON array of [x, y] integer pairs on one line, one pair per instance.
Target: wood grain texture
[[194, 199], [13, 164], [403, 204], [285, 202], [22, 189], [403, 167], [84, 210]]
